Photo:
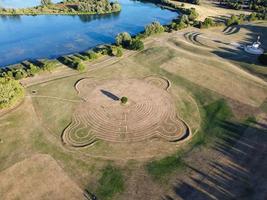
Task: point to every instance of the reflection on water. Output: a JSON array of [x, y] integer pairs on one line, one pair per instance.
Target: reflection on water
[[10, 18], [83, 18], [88, 18], [50, 36]]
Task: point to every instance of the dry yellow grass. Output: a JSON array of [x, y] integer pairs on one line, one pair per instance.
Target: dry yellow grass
[[209, 70], [226, 83], [206, 9], [38, 177]]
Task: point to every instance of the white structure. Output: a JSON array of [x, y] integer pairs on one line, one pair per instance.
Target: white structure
[[254, 48]]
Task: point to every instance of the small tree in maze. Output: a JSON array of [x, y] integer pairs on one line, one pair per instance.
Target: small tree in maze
[[124, 100]]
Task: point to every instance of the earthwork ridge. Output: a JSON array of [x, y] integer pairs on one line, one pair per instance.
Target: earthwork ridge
[[149, 113]]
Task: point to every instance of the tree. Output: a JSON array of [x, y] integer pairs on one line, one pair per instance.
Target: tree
[[154, 28], [10, 92], [124, 39], [137, 44], [193, 14], [49, 66], [115, 51], [124, 100], [20, 74], [80, 67], [46, 2], [33, 69], [91, 55], [234, 20], [208, 22]]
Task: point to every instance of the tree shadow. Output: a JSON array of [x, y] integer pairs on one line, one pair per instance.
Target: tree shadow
[[110, 95], [238, 172]]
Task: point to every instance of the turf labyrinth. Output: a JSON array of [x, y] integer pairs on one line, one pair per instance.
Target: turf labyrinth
[[150, 112]]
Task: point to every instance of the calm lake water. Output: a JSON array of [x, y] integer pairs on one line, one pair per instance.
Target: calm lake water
[[50, 36], [21, 3]]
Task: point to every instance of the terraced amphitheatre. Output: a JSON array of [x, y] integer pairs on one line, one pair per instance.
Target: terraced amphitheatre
[[150, 112]]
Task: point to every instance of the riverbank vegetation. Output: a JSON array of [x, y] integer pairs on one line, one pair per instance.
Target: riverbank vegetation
[[257, 6], [11, 92], [239, 19], [28, 69], [125, 40], [188, 17], [66, 7]]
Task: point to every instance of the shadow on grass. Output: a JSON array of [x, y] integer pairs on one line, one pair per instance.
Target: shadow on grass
[[237, 173], [110, 95]]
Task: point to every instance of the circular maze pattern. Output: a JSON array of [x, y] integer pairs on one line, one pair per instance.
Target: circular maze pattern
[[149, 112]]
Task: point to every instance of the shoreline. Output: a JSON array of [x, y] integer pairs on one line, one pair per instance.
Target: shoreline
[[61, 8], [59, 13], [16, 64]]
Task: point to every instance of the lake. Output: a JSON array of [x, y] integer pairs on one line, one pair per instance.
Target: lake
[[50, 36], [21, 3]]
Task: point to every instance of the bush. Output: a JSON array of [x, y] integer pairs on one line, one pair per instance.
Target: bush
[[32, 70], [154, 28], [80, 67], [116, 51], [124, 39], [20, 74], [10, 92], [180, 23], [119, 52], [263, 59], [137, 44], [234, 20], [197, 2], [49, 66], [192, 14], [91, 55], [252, 17], [208, 22], [46, 2], [7, 74]]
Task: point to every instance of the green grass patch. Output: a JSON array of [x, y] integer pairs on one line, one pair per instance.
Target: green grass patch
[[110, 183], [212, 116], [160, 169]]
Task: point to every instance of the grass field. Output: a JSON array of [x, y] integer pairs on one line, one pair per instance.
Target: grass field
[[211, 90]]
